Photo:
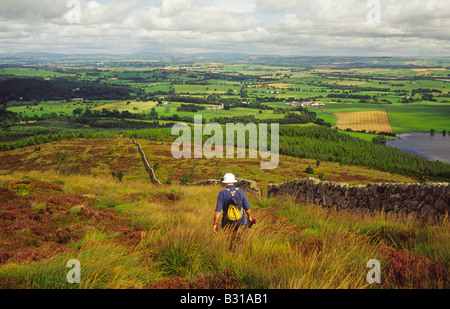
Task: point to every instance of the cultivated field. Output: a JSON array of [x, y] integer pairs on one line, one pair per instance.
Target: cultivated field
[[132, 106], [370, 121]]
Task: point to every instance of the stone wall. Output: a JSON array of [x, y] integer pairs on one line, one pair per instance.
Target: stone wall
[[150, 171], [244, 184], [429, 201]]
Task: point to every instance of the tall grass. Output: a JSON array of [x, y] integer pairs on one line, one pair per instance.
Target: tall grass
[[292, 246]]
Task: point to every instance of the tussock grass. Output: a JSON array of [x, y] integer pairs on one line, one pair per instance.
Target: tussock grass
[[293, 246], [104, 265]]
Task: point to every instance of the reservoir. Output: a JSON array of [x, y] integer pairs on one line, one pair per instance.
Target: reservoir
[[426, 145]]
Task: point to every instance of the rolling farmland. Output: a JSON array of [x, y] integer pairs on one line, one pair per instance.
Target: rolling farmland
[[73, 186]]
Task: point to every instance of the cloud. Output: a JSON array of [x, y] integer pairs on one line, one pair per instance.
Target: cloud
[[271, 6], [170, 8], [289, 27], [30, 10], [201, 19]]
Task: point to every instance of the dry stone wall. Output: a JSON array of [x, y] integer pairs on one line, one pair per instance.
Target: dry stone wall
[[149, 170], [429, 201], [244, 184]]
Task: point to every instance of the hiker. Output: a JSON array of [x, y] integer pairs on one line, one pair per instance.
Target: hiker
[[223, 203]]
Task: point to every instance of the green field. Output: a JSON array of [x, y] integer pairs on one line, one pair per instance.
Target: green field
[[58, 107], [4, 72], [171, 108], [274, 85], [130, 106], [341, 89]]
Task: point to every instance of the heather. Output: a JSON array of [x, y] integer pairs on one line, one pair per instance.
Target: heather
[[131, 234]]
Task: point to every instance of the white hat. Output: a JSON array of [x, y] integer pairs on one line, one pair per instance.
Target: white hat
[[229, 178]]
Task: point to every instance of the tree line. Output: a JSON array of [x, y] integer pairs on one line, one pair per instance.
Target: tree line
[[28, 89], [327, 144]]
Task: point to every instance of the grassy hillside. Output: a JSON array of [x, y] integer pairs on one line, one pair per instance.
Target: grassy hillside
[[102, 157], [300, 141], [132, 234]]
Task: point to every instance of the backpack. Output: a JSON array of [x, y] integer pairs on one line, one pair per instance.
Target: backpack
[[234, 213]]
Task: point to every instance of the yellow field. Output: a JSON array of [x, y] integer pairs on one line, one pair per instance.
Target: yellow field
[[280, 85], [370, 121], [133, 107], [428, 70], [350, 82]]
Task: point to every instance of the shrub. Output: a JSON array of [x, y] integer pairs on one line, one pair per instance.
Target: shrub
[[119, 175], [188, 176], [309, 170], [156, 165]]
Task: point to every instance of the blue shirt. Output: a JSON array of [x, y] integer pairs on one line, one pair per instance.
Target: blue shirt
[[224, 199]]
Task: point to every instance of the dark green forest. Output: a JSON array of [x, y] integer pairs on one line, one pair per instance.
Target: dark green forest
[[28, 89]]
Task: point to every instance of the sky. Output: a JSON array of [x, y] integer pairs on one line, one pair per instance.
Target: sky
[[398, 28]]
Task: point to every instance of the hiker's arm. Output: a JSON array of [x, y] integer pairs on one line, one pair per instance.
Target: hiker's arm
[[216, 220], [246, 206], [219, 207], [249, 215]]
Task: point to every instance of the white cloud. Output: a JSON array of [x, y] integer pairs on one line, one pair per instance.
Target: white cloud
[[196, 18], [309, 27], [30, 10], [171, 8]]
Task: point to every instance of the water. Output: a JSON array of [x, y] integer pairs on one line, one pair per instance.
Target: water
[[429, 146]]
